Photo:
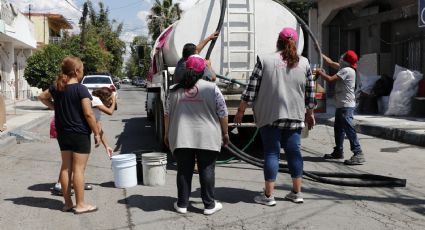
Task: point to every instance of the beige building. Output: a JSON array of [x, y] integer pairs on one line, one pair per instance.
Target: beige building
[[48, 27]]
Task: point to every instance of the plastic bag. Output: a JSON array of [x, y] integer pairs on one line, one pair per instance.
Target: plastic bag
[[368, 82], [404, 89], [53, 133]]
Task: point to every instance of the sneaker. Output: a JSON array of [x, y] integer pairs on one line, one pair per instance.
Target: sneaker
[[263, 199], [295, 197], [57, 190], [178, 209], [334, 155], [356, 159], [88, 187], [218, 206], [57, 187]]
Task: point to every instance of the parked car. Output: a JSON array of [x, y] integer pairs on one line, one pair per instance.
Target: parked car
[[93, 82], [126, 80], [141, 83], [117, 82]]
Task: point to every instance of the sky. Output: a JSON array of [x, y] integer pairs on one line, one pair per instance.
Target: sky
[[130, 12]]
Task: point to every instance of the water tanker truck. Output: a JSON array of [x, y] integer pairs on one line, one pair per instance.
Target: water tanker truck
[[249, 28]]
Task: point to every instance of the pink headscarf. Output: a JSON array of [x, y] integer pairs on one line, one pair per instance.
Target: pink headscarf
[[196, 62]]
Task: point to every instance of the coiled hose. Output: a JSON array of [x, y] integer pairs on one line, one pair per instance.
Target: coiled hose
[[364, 180]]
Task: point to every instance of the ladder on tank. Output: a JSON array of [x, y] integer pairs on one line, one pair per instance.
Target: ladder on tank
[[241, 15]]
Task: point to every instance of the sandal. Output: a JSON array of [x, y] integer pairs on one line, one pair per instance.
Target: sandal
[[67, 209], [90, 208]]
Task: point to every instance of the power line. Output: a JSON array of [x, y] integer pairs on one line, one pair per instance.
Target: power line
[[121, 7], [73, 6]]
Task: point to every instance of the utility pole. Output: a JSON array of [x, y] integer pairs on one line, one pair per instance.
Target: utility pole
[[29, 11]]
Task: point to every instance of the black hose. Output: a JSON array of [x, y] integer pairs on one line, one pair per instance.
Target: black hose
[[365, 180], [220, 24], [231, 80]]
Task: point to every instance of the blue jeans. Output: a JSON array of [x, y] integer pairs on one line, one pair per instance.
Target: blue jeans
[[290, 140], [344, 126]]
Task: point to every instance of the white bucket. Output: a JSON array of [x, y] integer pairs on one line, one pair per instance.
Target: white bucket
[[124, 168], [154, 168]]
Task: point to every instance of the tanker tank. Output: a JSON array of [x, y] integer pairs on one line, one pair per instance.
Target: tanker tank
[[250, 27]]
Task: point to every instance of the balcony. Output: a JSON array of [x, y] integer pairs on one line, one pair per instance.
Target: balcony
[[54, 40]]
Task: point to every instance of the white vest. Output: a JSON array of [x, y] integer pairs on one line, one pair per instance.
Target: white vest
[[282, 91], [194, 122]]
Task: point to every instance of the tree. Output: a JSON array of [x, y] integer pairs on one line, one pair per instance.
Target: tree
[[299, 7], [162, 15], [136, 66], [96, 27], [43, 66]]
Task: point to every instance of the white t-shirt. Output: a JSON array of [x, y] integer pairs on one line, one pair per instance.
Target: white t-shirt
[[344, 88], [94, 103]]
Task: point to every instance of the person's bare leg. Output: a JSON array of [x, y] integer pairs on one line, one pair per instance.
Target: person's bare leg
[[65, 177], [296, 184], [78, 168], [269, 188]]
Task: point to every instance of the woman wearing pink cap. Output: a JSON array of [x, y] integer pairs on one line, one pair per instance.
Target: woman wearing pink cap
[[345, 102], [281, 92], [196, 127]]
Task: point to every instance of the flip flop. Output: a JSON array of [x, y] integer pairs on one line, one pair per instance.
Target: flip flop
[[90, 208]]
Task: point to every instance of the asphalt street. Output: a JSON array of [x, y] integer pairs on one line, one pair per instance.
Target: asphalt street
[[29, 170]]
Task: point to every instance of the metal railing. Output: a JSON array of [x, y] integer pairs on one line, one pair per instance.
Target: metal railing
[[55, 40]]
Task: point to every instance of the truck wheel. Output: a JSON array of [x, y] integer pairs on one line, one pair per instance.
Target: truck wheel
[[149, 113], [159, 123]]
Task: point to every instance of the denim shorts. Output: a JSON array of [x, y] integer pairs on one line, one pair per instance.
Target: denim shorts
[[75, 142]]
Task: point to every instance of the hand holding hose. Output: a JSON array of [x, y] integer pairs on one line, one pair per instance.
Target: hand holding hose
[[214, 35], [239, 116]]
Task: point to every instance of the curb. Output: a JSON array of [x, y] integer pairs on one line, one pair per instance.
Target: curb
[[395, 134], [9, 140]]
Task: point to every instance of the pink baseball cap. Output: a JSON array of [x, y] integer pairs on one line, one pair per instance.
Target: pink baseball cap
[[196, 62], [288, 33]]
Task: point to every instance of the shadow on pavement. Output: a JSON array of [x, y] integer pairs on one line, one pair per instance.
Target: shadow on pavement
[[41, 187], [232, 195], [149, 203], [109, 184], [38, 202], [138, 134], [21, 107]]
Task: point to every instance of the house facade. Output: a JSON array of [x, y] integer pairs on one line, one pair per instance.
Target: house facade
[[383, 32], [48, 27], [16, 44]]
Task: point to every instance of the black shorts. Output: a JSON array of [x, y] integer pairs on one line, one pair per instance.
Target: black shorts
[[75, 142]]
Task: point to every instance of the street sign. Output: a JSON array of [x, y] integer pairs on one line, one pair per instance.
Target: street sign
[[421, 13]]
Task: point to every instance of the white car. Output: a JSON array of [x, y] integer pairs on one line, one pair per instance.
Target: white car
[[93, 82]]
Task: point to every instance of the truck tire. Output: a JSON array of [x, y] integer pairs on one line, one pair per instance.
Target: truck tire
[[159, 123]]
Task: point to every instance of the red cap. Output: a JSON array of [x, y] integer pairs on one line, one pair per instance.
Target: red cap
[[288, 33], [351, 57], [196, 63]]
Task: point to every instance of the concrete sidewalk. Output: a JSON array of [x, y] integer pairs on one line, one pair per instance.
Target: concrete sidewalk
[[22, 115], [410, 130]]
